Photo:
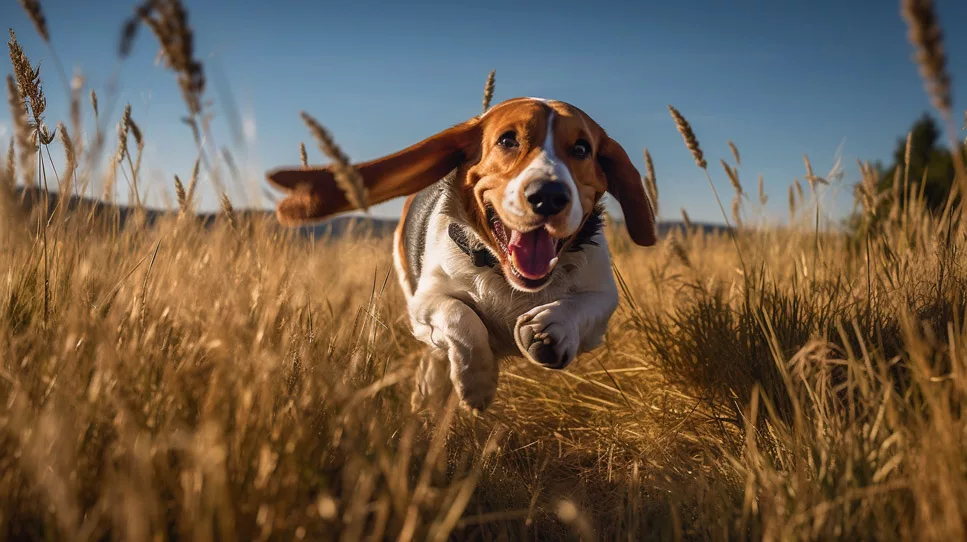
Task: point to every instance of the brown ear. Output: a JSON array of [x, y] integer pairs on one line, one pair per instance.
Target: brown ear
[[624, 183], [314, 195]]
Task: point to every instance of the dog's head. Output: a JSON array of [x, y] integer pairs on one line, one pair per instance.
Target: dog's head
[[530, 171]]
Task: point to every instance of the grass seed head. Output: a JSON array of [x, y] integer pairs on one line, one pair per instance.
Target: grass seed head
[[77, 84], [347, 177], [924, 33], [651, 180], [651, 184], [735, 153], [686, 220], [28, 81], [32, 7], [11, 169], [229, 211], [181, 195], [26, 142], [193, 181], [733, 176], [678, 251], [70, 158], [685, 129], [737, 209], [94, 104], [906, 159], [649, 164], [811, 178], [168, 21], [489, 90], [124, 126]]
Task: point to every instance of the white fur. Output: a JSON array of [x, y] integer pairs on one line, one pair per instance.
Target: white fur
[[471, 316], [544, 166]]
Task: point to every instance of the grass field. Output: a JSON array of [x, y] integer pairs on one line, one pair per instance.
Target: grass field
[[239, 381]]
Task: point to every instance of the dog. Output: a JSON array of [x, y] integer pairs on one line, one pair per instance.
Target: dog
[[499, 250]]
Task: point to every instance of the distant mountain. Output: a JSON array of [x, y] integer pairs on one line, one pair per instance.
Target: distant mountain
[[31, 197]]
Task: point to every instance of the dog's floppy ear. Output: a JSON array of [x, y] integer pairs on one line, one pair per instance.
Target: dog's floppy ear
[[314, 195], [624, 183]]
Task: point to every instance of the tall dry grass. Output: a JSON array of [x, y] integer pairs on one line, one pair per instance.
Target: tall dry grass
[[234, 380]]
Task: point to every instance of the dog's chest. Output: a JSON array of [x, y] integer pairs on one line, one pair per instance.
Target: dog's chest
[[499, 305]]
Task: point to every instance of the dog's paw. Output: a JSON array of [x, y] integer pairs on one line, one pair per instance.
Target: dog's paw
[[476, 399], [475, 380], [546, 337]]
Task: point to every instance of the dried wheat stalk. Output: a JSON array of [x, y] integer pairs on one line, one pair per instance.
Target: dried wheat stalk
[[924, 33], [735, 153], [70, 158], [926, 36], [94, 105], [26, 142], [676, 249], [77, 84], [28, 82], [181, 195], [489, 90], [168, 20], [651, 183], [229, 211], [346, 176], [691, 142], [733, 176], [810, 177], [32, 7], [686, 220], [11, 168], [737, 210], [193, 182]]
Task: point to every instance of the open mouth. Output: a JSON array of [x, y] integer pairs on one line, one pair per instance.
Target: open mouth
[[531, 256]]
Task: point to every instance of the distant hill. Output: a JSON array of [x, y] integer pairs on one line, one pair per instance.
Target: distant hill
[[335, 227]]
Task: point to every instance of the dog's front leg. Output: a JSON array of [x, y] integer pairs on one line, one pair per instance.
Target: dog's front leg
[[450, 325], [552, 335]]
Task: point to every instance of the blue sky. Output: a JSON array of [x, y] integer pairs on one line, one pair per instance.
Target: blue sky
[[780, 79]]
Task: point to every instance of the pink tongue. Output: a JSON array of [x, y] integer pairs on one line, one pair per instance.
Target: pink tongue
[[532, 252]]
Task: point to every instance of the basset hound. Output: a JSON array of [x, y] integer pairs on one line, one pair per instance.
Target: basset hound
[[499, 250]]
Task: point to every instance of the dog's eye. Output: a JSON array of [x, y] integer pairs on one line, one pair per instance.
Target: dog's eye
[[581, 149], [508, 140]]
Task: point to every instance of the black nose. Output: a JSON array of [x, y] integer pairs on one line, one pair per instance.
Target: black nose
[[548, 198]]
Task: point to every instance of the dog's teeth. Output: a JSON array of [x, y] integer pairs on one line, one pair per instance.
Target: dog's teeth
[[553, 263]]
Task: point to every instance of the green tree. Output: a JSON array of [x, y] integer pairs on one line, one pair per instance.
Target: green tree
[[926, 155]]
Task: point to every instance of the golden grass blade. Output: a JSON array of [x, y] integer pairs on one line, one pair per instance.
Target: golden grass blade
[[347, 176]]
